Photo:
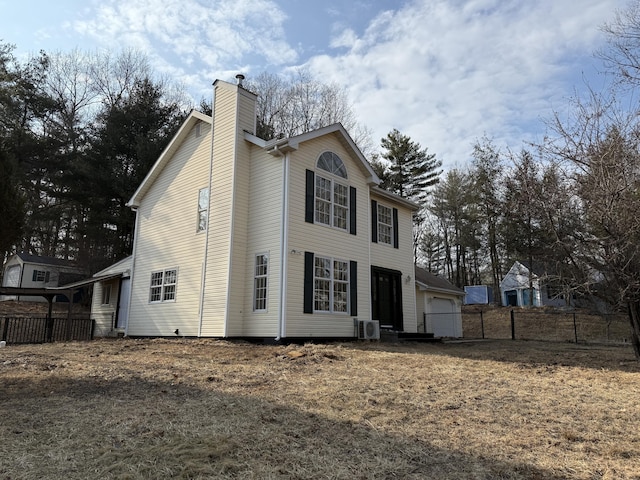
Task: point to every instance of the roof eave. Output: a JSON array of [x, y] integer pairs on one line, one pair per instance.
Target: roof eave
[[173, 144]]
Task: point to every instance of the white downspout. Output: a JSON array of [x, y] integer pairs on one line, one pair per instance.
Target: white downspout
[[136, 233], [369, 245], [284, 250], [206, 238]]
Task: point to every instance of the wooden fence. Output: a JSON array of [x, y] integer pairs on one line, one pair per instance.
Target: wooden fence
[[15, 330]]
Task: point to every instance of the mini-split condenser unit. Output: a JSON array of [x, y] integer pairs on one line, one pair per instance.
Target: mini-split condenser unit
[[367, 329]]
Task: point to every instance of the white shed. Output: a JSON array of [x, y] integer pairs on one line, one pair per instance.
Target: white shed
[[23, 270], [438, 305]]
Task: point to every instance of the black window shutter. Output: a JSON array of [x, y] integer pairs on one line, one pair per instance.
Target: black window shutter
[[309, 198], [46, 277], [352, 210], [35, 275], [353, 287], [374, 221], [308, 282], [396, 243]]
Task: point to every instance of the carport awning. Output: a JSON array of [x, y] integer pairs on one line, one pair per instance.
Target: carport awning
[[53, 291]]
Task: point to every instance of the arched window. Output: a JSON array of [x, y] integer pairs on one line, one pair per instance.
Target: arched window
[[332, 163], [329, 199]]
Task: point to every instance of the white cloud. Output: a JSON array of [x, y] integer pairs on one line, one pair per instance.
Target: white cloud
[[216, 35], [447, 72]]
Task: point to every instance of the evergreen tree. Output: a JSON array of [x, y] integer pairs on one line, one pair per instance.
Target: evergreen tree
[[127, 141], [486, 172], [412, 170]]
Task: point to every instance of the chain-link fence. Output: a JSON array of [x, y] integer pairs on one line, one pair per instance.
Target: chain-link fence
[[546, 324]]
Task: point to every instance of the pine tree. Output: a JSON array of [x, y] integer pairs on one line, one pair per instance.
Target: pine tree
[[412, 170]]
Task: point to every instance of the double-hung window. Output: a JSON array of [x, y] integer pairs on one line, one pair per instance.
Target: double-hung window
[[385, 225], [163, 286], [330, 285], [260, 283], [332, 203], [329, 199]]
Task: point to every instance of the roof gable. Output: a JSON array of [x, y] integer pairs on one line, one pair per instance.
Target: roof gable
[[279, 147], [193, 118], [518, 275]]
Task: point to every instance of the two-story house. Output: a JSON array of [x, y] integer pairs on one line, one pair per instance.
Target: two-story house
[[288, 238]]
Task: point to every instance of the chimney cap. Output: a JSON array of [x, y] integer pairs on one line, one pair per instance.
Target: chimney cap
[[240, 78]]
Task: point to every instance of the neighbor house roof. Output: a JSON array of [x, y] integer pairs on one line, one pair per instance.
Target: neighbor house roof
[[28, 258], [428, 281]]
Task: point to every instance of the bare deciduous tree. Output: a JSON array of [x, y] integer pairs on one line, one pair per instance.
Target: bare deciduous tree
[[288, 106], [600, 145]]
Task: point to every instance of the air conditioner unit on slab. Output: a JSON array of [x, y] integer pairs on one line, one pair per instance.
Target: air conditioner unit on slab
[[368, 329]]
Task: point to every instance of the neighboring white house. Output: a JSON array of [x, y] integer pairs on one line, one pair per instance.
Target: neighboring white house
[[517, 289], [23, 270], [438, 304], [287, 238], [110, 302]]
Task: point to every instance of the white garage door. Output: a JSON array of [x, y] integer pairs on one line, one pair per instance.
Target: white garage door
[[443, 318]]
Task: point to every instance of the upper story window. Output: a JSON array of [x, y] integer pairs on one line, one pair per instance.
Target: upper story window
[[385, 225], [203, 209], [331, 196], [332, 163]]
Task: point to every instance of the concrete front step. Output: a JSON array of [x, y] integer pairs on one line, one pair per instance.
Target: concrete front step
[[394, 336]]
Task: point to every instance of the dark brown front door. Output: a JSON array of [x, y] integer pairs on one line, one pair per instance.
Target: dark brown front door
[[387, 297]]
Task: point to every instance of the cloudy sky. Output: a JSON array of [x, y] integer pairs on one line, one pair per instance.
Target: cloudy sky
[[444, 72]]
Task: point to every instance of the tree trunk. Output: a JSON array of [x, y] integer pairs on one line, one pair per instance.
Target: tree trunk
[[634, 317]]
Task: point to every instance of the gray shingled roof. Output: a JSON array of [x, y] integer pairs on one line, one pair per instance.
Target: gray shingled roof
[[435, 282]]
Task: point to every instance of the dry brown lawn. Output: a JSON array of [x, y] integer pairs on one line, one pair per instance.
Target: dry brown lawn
[[500, 409]]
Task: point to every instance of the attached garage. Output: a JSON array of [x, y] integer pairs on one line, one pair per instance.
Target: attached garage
[[438, 305]]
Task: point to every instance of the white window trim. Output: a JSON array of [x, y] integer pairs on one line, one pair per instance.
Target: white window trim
[[327, 176], [257, 276], [382, 224], [163, 286], [332, 282]]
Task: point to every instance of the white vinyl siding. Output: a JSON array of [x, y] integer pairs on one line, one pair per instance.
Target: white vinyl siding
[[163, 205], [330, 243], [265, 219]]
